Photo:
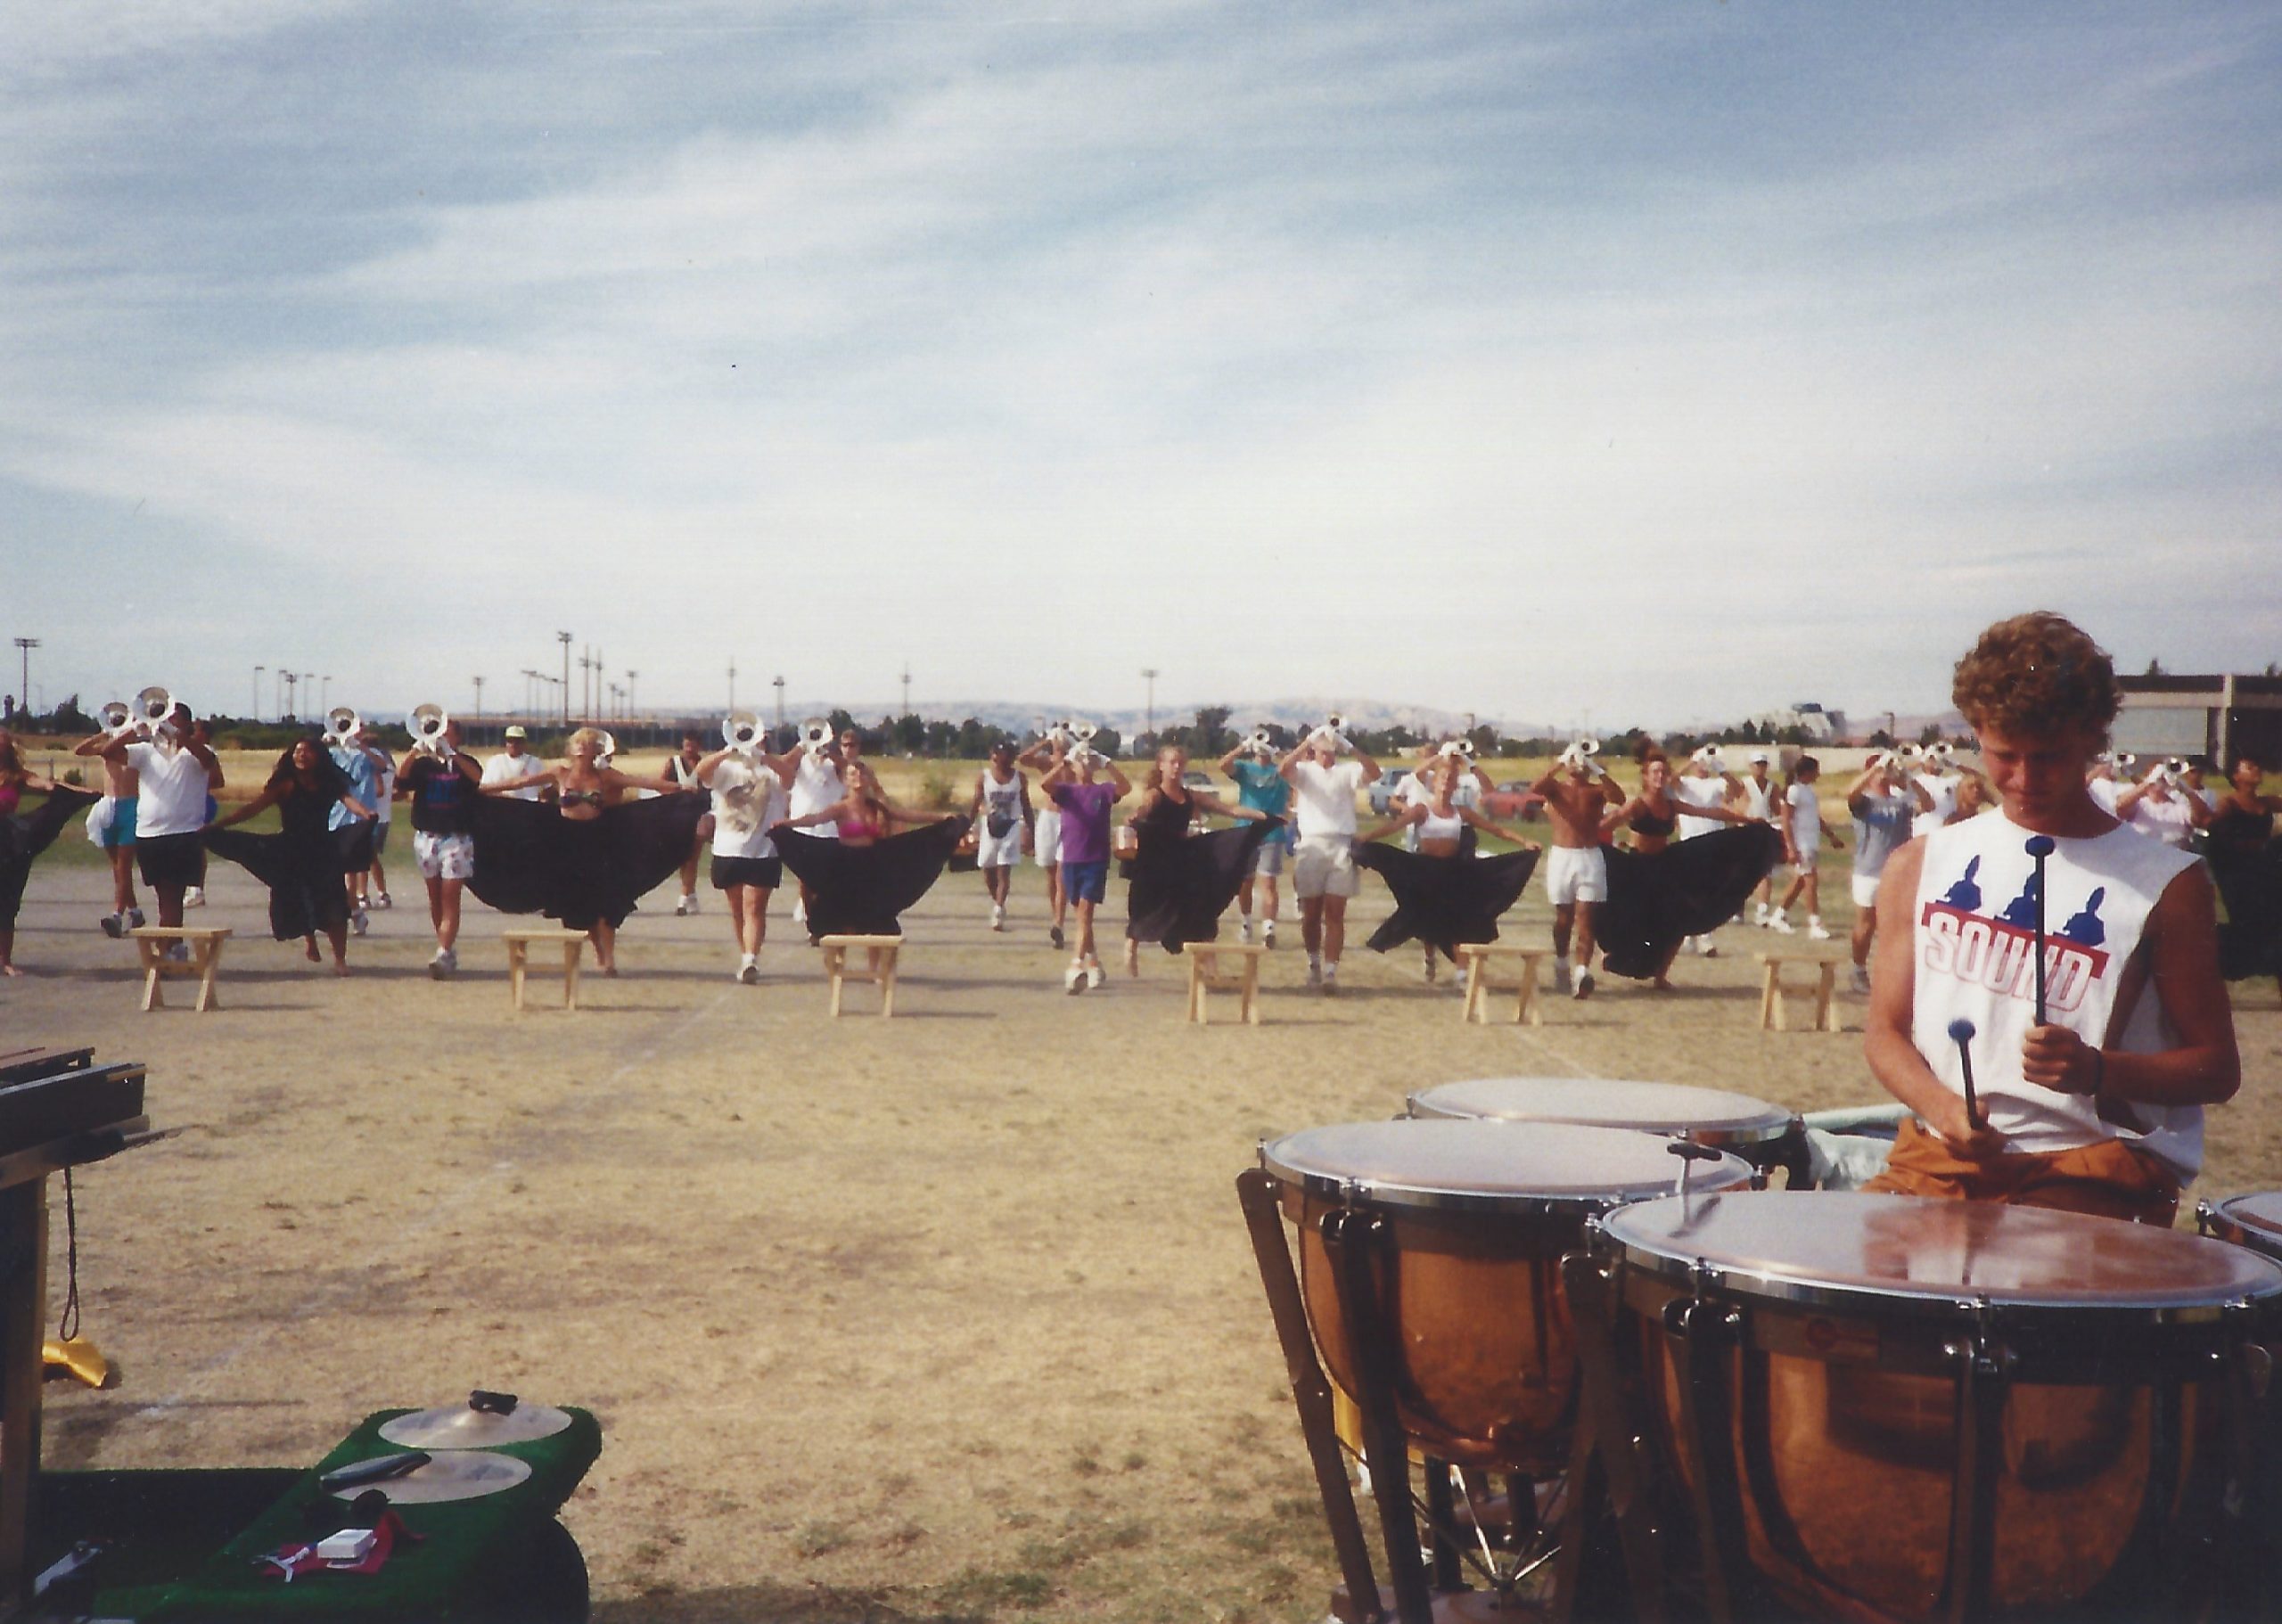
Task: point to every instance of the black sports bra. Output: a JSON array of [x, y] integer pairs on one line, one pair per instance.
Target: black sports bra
[[583, 798], [1644, 822]]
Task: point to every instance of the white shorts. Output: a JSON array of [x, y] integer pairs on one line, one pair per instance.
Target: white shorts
[[1866, 890], [1002, 853], [444, 856], [1324, 866], [1047, 838], [1575, 874]]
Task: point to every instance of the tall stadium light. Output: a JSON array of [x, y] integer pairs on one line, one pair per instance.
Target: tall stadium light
[[1150, 674], [278, 677], [732, 685], [325, 694], [24, 647], [564, 639], [778, 684], [258, 670], [906, 688], [631, 675], [479, 696]]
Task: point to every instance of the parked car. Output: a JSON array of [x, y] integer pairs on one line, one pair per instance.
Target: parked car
[[1384, 787], [1512, 801], [1197, 778]]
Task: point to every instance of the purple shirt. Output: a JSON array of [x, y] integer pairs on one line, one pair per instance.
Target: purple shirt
[[1085, 830]]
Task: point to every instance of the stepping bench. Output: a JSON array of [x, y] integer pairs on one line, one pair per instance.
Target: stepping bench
[[1774, 987], [520, 943], [153, 942], [1204, 974], [1474, 959], [835, 966]]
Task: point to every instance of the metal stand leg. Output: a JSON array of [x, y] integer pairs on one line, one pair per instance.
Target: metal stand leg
[[1606, 1474], [1983, 1366], [1352, 1240], [1310, 1390], [1705, 1332]]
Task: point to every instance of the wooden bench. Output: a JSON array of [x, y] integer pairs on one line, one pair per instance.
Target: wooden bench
[[153, 943], [1474, 959], [1204, 974], [520, 943], [835, 966], [1773, 988]]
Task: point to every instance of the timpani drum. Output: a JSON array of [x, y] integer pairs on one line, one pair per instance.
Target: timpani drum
[[2253, 1220], [1471, 1220], [1881, 1407], [1766, 1136]]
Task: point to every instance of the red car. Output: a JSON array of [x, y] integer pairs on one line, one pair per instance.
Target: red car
[[1512, 802]]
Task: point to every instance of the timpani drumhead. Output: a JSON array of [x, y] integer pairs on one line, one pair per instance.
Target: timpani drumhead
[[1853, 1249], [1710, 1116], [1485, 1165], [2257, 1219]]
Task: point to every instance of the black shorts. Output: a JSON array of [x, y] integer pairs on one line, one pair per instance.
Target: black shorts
[[354, 842], [169, 860], [767, 872]]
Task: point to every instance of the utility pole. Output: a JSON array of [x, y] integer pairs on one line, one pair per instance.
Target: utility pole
[[281, 677], [292, 694], [631, 675], [564, 639], [598, 676], [479, 696], [258, 670], [779, 685], [24, 646], [732, 685], [1150, 673], [325, 694], [906, 688]]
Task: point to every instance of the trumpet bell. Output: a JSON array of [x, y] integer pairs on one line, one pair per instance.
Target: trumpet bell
[[741, 730], [116, 715], [1083, 732], [153, 705], [427, 723], [609, 749], [815, 733]]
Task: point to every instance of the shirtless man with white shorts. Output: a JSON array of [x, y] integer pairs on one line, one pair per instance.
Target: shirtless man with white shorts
[[1577, 795]]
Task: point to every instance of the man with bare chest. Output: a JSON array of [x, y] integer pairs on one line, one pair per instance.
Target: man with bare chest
[[1577, 795]]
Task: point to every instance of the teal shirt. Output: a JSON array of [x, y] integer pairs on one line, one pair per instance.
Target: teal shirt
[[1260, 786]]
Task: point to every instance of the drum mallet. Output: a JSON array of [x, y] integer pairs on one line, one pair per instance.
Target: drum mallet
[[1689, 1153], [2039, 847], [1961, 1031]]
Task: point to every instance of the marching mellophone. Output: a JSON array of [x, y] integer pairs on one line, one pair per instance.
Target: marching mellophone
[[152, 707], [428, 724], [1584, 755], [741, 732], [1261, 742], [342, 727], [116, 717], [816, 734]]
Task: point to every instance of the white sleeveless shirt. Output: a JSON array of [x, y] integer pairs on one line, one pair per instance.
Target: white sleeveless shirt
[[1973, 933], [816, 785]]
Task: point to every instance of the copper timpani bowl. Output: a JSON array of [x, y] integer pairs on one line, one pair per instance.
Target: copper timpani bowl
[[1852, 1317], [2254, 1221], [1478, 1215], [1761, 1134]]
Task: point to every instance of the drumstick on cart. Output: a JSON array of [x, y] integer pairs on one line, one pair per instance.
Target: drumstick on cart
[[1961, 1033], [2039, 847]]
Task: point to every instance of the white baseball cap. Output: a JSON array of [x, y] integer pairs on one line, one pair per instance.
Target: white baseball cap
[[517, 732]]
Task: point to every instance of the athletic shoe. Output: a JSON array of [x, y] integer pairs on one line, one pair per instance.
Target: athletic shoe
[[998, 916], [1268, 933], [359, 921], [1859, 981], [134, 919], [114, 925], [194, 897], [1815, 931], [1584, 986], [748, 970], [437, 969], [695, 905], [1243, 929], [1094, 976], [1331, 980], [1759, 916], [1780, 925], [1054, 935], [383, 899], [1315, 974], [799, 913], [681, 907], [451, 957], [179, 953], [1561, 982], [1073, 980], [1705, 948]]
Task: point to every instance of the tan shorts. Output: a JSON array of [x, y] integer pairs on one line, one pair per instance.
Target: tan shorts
[[1324, 866]]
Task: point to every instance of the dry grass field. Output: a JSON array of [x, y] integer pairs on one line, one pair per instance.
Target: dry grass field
[[945, 1317]]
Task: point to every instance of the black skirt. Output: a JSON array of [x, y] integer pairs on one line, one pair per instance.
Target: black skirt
[[861, 890], [1445, 901], [1181, 884], [532, 859], [24, 835], [1657, 900], [2250, 885], [303, 875]]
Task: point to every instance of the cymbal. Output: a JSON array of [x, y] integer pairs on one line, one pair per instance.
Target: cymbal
[[460, 1426], [462, 1475]]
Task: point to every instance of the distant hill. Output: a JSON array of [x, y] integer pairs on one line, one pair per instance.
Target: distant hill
[[1291, 712]]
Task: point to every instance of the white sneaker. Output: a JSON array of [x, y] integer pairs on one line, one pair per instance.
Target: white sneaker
[[1815, 932], [1268, 933], [179, 953], [1781, 925], [1584, 986], [1759, 916], [1860, 979], [682, 909], [380, 900], [1243, 929], [997, 916], [360, 922], [1315, 974], [194, 897], [748, 970], [1094, 976], [1560, 978], [1073, 980], [1331, 980], [437, 968], [799, 913]]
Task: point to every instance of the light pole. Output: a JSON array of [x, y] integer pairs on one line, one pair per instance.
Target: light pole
[[24, 646], [779, 685], [1150, 674], [280, 677], [564, 639], [479, 697], [325, 694], [292, 694], [732, 685], [631, 675], [258, 670]]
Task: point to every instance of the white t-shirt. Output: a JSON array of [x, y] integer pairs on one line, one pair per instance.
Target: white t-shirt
[[816, 785], [1805, 814], [1322, 797], [173, 797], [1943, 790], [1690, 791], [2168, 821], [747, 802], [387, 807], [506, 769], [2105, 791]]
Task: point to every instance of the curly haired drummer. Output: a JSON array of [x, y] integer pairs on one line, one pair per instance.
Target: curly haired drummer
[[2099, 1108]]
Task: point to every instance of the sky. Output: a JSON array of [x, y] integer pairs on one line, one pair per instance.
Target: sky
[[1561, 361]]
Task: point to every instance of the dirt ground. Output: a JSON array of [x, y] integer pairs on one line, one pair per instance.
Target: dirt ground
[[945, 1317]]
